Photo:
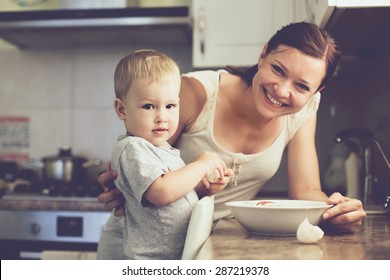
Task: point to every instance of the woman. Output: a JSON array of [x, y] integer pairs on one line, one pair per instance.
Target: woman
[[249, 119]]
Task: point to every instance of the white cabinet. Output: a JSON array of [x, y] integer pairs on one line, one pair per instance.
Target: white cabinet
[[320, 11], [304, 10], [233, 32], [314, 11]]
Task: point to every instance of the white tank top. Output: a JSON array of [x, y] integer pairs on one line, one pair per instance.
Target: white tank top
[[251, 171]]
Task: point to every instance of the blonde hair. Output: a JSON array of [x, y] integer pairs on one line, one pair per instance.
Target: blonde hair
[[145, 65]]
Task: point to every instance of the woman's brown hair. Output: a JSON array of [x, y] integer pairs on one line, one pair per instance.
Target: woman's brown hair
[[305, 37]]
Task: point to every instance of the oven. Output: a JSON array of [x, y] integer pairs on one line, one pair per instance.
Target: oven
[[27, 234], [53, 218]]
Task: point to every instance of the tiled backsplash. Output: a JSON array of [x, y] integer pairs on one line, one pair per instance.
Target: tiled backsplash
[[68, 97]]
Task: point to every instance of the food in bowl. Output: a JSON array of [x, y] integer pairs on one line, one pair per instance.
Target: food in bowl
[[276, 217]]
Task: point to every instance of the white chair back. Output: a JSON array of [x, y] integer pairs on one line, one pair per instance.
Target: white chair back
[[199, 228]]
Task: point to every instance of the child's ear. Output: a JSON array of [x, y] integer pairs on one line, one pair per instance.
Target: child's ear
[[120, 109]]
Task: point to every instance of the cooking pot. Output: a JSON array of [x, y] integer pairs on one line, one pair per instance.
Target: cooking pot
[[66, 168]]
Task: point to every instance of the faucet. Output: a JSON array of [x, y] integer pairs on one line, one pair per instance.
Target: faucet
[[367, 140], [386, 205]]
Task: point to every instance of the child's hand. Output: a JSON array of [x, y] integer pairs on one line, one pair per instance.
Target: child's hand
[[214, 165], [217, 185]]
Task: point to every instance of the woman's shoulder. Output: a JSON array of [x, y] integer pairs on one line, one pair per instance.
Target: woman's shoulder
[[295, 121], [193, 97], [311, 106], [204, 74], [197, 89], [203, 84]]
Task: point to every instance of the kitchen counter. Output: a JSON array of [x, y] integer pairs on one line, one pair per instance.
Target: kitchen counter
[[56, 203], [230, 241]]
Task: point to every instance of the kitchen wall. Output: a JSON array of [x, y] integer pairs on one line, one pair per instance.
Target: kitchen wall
[[68, 96], [358, 97]]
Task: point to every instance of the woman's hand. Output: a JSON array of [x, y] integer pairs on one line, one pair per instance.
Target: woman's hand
[[111, 197], [345, 216]]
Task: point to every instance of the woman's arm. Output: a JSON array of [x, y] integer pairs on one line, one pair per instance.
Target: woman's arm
[[304, 182], [302, 164], [112, 198]]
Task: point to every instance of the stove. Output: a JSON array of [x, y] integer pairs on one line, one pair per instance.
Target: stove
[[53, 217], [53, 190], [46, 197]]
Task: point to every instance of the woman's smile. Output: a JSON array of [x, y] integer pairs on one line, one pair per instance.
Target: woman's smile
[[272, 99], [284, 79]]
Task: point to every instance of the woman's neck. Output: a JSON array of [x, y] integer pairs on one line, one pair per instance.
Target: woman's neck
[[238, 127], [239, 97]]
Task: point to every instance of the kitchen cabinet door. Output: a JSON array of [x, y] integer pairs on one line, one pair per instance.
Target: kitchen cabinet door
[[233, 32], [316, 11], [305, 10], [322, 11]]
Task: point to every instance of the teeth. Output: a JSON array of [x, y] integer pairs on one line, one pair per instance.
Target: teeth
[[273, 101]]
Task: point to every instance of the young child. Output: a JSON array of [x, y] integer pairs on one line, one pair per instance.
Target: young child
[[158, 187]]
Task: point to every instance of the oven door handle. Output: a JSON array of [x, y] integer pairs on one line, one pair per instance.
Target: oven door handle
[[58, 255], [31, 255]]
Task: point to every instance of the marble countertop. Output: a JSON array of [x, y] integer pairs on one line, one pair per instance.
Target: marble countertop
[[230, 241]]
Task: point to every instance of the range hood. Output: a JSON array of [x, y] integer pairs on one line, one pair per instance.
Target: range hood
[[97, 27], [360, 26]]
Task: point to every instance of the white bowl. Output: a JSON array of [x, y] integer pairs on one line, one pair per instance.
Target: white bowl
[[276, 217]]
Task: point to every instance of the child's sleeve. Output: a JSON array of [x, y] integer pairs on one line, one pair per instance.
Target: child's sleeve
[[138, 168]]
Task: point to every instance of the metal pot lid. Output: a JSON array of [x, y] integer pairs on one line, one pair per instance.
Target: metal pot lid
[[65, 153]]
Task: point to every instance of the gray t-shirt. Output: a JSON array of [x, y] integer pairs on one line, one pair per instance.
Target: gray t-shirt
[[150, 232]]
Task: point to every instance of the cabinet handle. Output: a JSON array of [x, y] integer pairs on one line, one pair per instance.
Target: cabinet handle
[[35, 228], [202, 28]]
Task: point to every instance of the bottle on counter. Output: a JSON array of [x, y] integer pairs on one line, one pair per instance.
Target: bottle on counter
[[353, 166], [335, 175]]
